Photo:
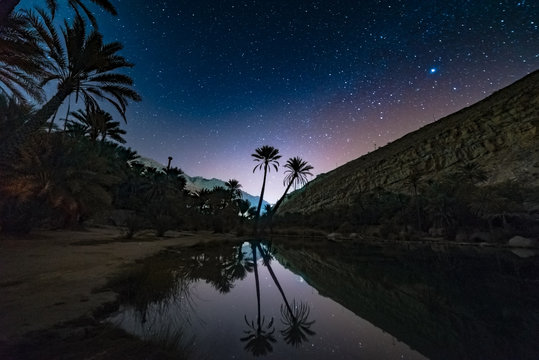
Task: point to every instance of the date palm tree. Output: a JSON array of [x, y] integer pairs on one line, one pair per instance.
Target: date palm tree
[[297, 171], [82, 65], [98, 123], [21, 59], [234, 187], [267, 157], [7, 7]]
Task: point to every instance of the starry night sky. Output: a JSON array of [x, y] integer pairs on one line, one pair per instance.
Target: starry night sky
[[324, 80]]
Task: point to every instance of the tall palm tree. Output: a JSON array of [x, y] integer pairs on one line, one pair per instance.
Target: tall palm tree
[[81, 64], [267, 157], [297, 171], [7, 7]]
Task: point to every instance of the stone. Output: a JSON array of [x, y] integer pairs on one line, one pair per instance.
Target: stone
[[522, 242]]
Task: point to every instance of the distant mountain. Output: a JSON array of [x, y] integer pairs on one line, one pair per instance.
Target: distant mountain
[[197, 183]]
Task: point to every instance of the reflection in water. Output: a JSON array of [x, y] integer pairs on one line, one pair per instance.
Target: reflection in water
[[260, 338], [446, 303]]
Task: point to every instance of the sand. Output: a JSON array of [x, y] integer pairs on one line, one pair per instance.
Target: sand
[[51, 277]]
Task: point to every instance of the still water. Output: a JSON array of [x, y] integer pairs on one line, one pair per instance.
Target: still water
[[321, 301]]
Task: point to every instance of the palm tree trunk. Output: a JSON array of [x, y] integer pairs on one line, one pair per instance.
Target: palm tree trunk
[[261, 198], [262, 192], [274, 210], [6, 8]]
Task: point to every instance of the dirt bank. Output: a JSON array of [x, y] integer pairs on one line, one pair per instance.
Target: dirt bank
[[51, 277]]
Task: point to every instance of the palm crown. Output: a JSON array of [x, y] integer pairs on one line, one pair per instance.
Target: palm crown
[[266, 155], [297, 171]]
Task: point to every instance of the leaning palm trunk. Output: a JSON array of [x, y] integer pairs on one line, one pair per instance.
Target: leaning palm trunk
[[274, 210]]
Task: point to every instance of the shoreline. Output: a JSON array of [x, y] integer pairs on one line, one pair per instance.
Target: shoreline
[[53, 277]]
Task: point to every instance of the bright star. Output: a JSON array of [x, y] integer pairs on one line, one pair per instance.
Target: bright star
[[433, 70]]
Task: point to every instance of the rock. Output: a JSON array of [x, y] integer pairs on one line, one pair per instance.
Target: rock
[[522, 242]]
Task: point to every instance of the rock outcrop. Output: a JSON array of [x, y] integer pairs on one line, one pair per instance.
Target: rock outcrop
[[499, 133]]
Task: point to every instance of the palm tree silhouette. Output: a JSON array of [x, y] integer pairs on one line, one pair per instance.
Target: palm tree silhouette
[[297, 171], [267, 156], [97, 122], [234, 187], [82, 65], [7, 7], [22, 60]]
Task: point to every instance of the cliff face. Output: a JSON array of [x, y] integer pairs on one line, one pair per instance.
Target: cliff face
[[499, 133]]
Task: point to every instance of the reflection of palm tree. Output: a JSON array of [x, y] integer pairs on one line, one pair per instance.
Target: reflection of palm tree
[[297, 324], [295, 316], [238, 268], [260, 336], [297, 172]]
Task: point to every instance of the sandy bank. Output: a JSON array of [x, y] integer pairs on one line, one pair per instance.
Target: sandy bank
[[50, 277]]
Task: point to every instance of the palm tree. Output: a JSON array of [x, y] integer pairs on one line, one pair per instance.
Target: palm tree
[[267, 156], [234, 187], [297, 171], [471, 173], [82, 65], [21, 59], [7, 7], [97, 122]]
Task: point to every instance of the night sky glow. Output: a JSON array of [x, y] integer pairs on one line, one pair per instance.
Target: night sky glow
[[324, 80]]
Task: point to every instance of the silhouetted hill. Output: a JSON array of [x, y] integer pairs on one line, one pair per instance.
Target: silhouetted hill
[[499, 133]]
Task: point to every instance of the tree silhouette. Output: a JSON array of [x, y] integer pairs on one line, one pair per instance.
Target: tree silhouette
[[7, 7], [297, 171], [98, 123], [234, 187], [22, 60], [82, 65], [266, 156]]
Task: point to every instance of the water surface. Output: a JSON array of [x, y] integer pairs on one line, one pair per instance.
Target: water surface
[[333, 301]]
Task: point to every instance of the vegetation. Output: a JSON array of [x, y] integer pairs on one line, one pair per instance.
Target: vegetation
[[459, 207], [61, 176]]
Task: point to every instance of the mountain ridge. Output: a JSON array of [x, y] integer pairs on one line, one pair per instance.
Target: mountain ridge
[[498, 132], [197, 183]]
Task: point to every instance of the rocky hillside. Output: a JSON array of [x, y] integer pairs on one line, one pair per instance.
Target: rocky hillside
[[499, 133]]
